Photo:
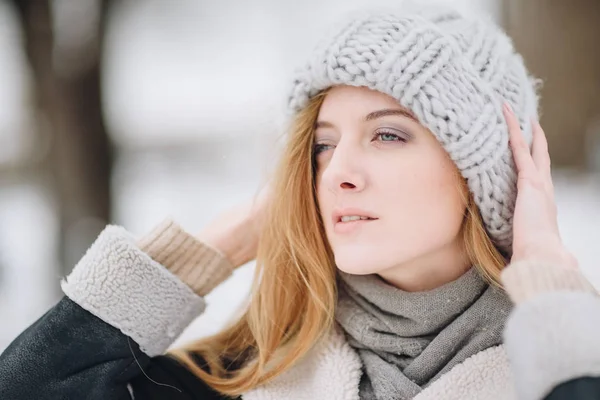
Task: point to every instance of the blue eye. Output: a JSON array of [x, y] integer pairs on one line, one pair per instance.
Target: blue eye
[[387, 136], [319, 148]]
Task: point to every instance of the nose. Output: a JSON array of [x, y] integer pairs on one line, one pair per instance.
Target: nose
[[344, 171]]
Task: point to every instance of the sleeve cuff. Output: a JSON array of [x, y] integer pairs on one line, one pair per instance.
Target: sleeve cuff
[[199, 265], [123, 286], [551, 339]]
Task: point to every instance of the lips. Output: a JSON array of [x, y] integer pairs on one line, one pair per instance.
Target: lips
[[351, 215], [349, 218]]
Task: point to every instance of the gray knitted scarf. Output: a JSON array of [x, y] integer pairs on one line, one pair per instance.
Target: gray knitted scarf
[[406, 340]]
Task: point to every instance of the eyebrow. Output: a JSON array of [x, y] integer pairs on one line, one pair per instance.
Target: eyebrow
[[374, 115]]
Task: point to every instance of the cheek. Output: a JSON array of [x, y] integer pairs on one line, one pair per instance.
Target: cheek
[[321, 195], [325, 204], [426, 197]]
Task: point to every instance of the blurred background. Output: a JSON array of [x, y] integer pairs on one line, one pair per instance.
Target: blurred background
[[125, 112]]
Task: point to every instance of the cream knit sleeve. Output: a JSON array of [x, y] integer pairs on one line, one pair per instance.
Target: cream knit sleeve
[[197, 264], [526, 279]]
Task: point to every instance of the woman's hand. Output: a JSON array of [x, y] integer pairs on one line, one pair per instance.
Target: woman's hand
[[235, 233], [535, 227]]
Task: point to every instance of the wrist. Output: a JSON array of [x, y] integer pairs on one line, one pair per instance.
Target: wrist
[[234, 251], [231, 243], [559, 257], [549, 250], [525, 279]]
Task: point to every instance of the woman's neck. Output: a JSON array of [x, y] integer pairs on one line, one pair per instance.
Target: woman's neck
[[429, 271]]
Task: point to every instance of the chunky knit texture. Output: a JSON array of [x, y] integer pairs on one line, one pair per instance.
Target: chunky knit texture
[[454, 72]]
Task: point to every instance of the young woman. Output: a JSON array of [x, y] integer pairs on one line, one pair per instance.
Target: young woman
[[407, 248]]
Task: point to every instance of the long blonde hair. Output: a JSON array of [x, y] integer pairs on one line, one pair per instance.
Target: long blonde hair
[[294, 292]]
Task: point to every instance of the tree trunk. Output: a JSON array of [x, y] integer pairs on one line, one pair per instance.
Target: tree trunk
[[69, 108], [559, 42]]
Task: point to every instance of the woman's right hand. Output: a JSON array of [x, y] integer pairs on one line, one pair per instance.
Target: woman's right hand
[[235, 232]]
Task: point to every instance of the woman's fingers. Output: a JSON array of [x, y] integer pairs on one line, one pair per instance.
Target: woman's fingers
[[533, 166], [523, 160], [541, 156], [535, 228], [539, 151]]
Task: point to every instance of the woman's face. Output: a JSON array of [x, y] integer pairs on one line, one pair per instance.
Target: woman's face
[[376, 162]]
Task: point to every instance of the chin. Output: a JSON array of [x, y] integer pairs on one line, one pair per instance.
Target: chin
[[358, 264]]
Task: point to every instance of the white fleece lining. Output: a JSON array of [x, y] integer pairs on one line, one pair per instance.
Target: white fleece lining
[[123, 286], [485, 375], [551, 339], [332, 370]]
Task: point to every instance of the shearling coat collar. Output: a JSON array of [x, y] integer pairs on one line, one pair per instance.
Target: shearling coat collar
[[332, 371]]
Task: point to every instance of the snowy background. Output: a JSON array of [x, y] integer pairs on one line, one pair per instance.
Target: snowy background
[[194, 100]]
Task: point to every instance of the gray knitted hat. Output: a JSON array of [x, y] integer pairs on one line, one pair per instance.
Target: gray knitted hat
[[454, 72]]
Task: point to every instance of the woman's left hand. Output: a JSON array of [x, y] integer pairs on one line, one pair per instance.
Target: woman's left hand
[[535, 228]]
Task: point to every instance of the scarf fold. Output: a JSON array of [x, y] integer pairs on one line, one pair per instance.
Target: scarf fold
[[406, 340]]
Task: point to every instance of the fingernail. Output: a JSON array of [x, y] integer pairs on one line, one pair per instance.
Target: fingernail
[[507, 107]]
